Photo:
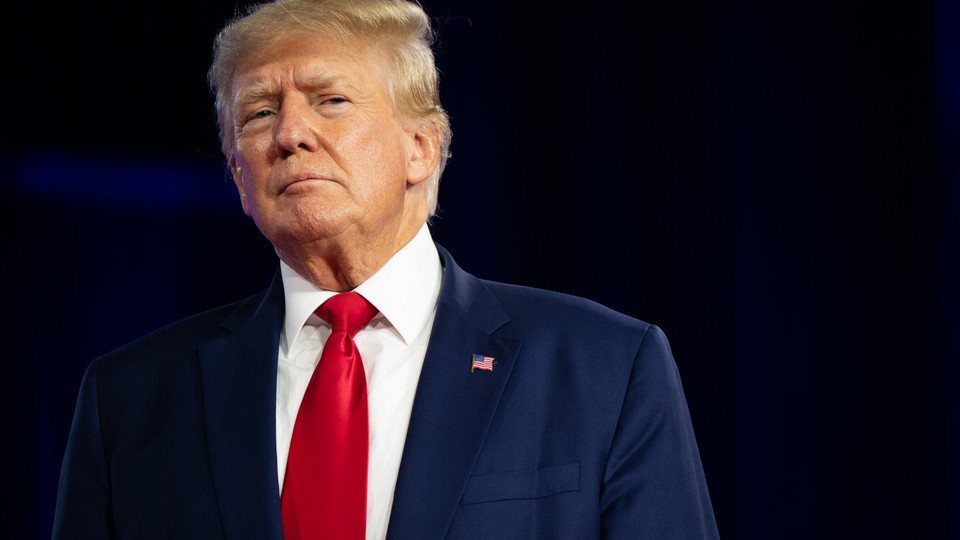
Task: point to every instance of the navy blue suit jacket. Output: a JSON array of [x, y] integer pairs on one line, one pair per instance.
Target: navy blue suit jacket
[[580, 431]]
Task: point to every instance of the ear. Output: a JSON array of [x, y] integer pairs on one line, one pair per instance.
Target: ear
[[237, 173], [423, 152]]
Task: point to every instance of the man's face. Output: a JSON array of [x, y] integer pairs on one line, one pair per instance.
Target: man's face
[[320, 150]]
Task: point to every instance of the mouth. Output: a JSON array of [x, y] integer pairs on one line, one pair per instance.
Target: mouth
[[303, 180]]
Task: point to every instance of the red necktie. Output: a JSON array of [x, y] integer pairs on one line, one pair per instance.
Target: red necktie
[[325, 486]]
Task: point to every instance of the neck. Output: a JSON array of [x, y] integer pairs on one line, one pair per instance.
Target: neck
[[344, 262]]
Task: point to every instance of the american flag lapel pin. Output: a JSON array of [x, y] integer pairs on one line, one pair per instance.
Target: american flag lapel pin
[[482, 362]]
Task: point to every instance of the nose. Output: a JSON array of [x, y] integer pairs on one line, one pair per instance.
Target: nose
[[295, 129]]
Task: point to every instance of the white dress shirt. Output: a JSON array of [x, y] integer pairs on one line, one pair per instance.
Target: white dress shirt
[[392, 346]]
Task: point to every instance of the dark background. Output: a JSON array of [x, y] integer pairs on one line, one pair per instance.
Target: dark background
[[776, 185]]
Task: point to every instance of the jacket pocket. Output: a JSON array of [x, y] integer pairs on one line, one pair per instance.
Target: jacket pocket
[[529, 484]]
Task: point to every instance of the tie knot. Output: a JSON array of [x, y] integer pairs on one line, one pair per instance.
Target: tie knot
[[347, 312]]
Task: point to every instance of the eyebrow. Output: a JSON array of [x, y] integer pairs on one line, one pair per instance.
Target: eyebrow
[[264, 88]]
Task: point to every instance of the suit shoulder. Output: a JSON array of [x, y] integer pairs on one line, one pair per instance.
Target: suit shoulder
[[185, 333], [535, 304]]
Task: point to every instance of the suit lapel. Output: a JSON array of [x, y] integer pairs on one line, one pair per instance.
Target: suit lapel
[[453, 407], [239, 394]]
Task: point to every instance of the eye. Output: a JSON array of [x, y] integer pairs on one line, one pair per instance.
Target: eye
[[332, 101], [332, 105], [257, 115]]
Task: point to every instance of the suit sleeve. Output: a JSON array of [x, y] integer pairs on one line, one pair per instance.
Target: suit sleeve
[[83, 496], [654, 486]]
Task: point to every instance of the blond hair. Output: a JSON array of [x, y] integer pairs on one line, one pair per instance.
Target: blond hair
[[401, 27]]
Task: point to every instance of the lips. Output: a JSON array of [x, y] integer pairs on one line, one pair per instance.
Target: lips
[[302, 176]]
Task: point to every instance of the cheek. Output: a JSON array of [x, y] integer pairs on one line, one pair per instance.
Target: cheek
[[253, 160], [246, 179], [261, 145], [384, 153]]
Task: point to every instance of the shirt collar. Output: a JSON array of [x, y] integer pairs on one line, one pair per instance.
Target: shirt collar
[[404, 290]]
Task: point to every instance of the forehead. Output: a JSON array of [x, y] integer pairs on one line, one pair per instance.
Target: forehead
[[308, 61]]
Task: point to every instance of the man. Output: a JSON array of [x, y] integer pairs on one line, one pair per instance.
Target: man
[[484, 410]]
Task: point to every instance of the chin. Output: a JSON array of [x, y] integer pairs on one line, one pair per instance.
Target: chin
[[303, 231]]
